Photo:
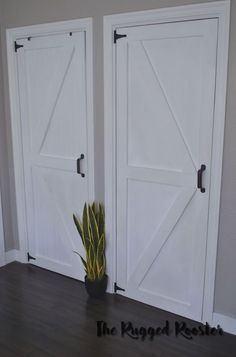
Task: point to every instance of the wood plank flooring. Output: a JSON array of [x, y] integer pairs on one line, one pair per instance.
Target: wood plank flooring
[[46, 314]]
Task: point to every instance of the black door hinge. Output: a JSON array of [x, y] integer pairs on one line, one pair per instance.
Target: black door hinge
[[117, 36], [30, 257], [116, 288], [17, 46]]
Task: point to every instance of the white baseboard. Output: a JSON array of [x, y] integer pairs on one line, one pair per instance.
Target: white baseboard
[[227, 323], [11, 256], [2, 260]]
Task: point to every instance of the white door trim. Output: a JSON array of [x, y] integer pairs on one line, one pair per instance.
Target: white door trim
[[32, 31], [221, 11], [226, 322], [2, 245]]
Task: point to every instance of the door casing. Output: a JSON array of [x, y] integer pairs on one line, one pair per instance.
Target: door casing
[[221, 11], [12, 35]]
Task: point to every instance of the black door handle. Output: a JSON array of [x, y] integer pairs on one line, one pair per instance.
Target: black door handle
[[199, 178], [78, 165]]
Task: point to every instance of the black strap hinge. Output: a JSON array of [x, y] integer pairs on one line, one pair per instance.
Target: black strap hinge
[[117, 288], [17, 46], [117, 36], [30, 257]]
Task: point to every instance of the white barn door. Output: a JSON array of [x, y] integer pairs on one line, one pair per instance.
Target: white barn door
[[52, 87], [165, 108]]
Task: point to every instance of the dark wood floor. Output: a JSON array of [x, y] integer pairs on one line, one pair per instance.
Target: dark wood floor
[[46, 314]]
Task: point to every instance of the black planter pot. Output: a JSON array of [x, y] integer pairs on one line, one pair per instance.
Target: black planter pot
[[96, 288]]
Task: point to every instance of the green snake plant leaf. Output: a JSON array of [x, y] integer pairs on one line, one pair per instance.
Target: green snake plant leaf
[[100, 250], [92, 232], [92, 255], [100, 272], [91, 265], [94, 208], [101, 220], [102, 267], [84, 263], [85, 226], [79, 227], [94, 227]]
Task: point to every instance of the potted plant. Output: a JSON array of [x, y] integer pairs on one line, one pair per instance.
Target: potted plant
[[92, 232]]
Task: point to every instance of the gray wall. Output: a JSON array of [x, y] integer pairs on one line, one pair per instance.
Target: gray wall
[[28, 12], [10, 237]]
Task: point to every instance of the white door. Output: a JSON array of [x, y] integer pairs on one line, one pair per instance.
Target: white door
[[165, 107], [52, 87]]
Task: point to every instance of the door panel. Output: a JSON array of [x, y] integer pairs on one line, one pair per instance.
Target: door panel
[[52, 81], [153, 103], [165, 104]]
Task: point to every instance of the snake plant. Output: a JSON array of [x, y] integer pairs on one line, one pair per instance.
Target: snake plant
[[92, 232]]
